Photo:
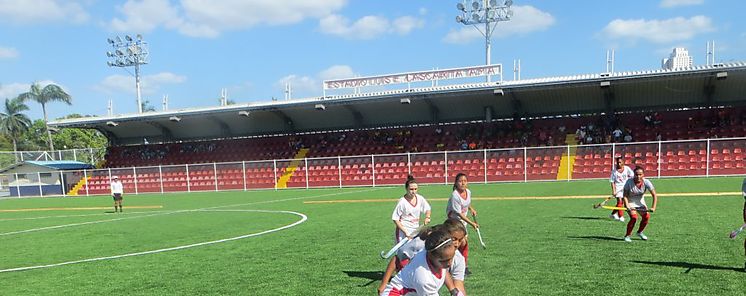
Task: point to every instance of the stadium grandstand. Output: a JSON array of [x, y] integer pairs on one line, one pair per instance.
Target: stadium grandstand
[[685, 122]]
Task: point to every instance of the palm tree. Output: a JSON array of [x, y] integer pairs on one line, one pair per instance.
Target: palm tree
[[12, 122], [43, 96]]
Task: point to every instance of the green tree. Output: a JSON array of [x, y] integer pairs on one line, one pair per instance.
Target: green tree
[[44, 96], [76, 138], [34, 139], [147, 106], [13, 123]]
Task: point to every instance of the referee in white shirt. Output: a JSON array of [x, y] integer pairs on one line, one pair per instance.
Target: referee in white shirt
[[117, 189]]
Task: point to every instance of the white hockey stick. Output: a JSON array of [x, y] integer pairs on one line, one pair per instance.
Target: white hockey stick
[[479, 233], [394, 248], [734, 233]]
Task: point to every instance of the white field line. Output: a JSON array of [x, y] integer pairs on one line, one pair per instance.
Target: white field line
[[159, 213], [88, 223], [81, 215], [303, 219]]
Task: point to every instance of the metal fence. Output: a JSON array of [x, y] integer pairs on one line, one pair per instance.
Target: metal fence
[[712, 157]]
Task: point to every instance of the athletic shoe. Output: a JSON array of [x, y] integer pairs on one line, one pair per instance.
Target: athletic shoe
[[467, 272], [621, 219], [642, 236], [628, 239], [614, 217]]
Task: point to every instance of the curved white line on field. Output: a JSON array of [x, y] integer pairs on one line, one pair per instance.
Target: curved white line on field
[[89, 222], [303, 219]]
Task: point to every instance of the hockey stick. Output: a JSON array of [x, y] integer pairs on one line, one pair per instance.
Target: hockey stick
[[479, 233], [394, 248], [614, 208], [402, 242], [601, 204], [734, 233]]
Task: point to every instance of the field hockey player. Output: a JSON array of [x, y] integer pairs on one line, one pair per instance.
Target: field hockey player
[[634, 201], [427, 271], [619, 176], [459, 206]]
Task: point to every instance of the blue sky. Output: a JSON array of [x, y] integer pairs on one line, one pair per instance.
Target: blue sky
[[252, 47]]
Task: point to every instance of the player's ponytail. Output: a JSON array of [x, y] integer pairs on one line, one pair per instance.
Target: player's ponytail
[[410, 180], [459, 175]]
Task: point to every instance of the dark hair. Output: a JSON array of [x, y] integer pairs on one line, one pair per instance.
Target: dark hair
[[410, 180], [453, 224], [639, 168], [617, 158], [459, 175], [436, 241]]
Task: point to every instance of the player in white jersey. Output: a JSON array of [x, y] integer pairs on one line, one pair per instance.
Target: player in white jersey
[[743, 188], [619, 177], [411, 206], [416, 245], [634, 201], [459, 206], [427, 271]]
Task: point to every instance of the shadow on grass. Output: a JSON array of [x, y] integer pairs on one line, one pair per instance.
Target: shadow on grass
[[585, 218], [109, 212], [689, 266], [373, 276], [597, 237]]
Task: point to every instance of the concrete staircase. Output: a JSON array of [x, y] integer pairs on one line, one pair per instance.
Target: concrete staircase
[[564, 172], [74, 191], [282, 182]]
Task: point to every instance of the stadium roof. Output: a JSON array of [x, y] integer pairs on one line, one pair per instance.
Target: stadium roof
[[61, 165], [720, 84]]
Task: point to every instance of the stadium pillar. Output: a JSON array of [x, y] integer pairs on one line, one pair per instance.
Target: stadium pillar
[[243, 170], [38, 176], [134, 174], [373, 169], [274, 169], [215, 175], [707, 170], [484, 163], [160, 176], [189, 185], [85, 176], [660, 151], [525, 170], [445, 156], [339, 168]]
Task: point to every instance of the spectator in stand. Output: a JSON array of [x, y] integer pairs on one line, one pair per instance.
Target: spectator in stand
[[472, 145], [648, 120], [617, 133], [658, 137], [628, 137], [464, 145], [657, 119]]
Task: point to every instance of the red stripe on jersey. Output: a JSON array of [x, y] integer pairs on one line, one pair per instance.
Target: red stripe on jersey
[[440, 271], [403, 291]]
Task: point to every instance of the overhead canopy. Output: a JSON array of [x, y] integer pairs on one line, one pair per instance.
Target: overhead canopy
[[56, 165], [722, 84]]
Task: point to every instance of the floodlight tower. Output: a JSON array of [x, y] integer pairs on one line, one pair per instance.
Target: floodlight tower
[[129, 53], [484, 12]]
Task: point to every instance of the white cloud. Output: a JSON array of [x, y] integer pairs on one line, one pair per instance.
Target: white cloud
[[149, 84], [336, 72], [308, 86], [12, 90], [8, 53], [526, 19], [144, 16], [674, 3], [368, 27], [42, 11], [203, 18], [658, 31]]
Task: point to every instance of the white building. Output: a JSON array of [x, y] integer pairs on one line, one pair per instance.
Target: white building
[[678, 59]]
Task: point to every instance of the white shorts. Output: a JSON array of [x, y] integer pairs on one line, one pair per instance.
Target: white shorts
[[619, 194], [637, 204]]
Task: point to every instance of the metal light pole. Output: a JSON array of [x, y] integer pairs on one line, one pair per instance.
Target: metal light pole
[[127, 53], [484, 12]]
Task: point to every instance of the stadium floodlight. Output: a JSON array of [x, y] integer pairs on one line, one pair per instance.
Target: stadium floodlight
[[320, 107], [175, 118], [605, 83], [405, 101], [488, 13], [111, 123], [721, 75], [498, 92], [244, 113], [129, 53]]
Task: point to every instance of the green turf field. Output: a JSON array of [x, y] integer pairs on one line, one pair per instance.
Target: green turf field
[[535, 247]]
